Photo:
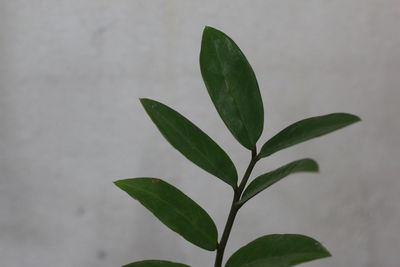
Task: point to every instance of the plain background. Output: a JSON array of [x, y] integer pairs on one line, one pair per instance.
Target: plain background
[[71, 73]]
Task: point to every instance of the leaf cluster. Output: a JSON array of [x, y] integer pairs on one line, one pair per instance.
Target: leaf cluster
[[233, 88]]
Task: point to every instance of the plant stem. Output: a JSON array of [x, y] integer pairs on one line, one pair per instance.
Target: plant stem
[[234, 209]]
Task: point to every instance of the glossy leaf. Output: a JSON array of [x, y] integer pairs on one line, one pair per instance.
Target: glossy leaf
[[155, 263], [174, 209], [192, 142], [232, 86], [278, 250], [305, 130], [266, 180]]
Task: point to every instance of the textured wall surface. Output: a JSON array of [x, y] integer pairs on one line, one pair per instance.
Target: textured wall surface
[[70, 123]]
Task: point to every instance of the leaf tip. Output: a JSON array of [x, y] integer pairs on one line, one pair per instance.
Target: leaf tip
[[348, 117], [313, 165], [353, 118], [357, 118], [148, 104], [211, 33], [144, 100], [121, 183], [324, 253], [328, 254], [118, 183], [208, 29]]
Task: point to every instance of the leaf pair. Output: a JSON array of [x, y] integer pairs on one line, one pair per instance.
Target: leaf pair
[[294, 134], [278, 250]]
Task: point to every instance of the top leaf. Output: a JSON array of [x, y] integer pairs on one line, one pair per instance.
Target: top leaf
[[192, 142], [232, 86], [305, 130]]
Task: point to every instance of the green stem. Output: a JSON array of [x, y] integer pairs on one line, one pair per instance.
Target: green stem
[[234, 209]]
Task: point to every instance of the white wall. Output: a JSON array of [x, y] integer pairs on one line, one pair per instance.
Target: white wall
[[70, 76]]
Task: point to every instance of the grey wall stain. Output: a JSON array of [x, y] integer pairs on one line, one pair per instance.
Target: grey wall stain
[[80, 211], [101, 254]]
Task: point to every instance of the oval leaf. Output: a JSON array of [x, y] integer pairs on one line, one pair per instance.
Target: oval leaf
[[232, 86], [192, 142], [305, 130], [278, 251], [266, 180], [155, 263], [174, 209]]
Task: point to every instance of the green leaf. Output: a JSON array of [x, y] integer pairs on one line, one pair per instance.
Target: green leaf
[[174, 209], [192, 142], [266, 180], [305, 130], [278, 251], [232, 86], [155, 263]]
